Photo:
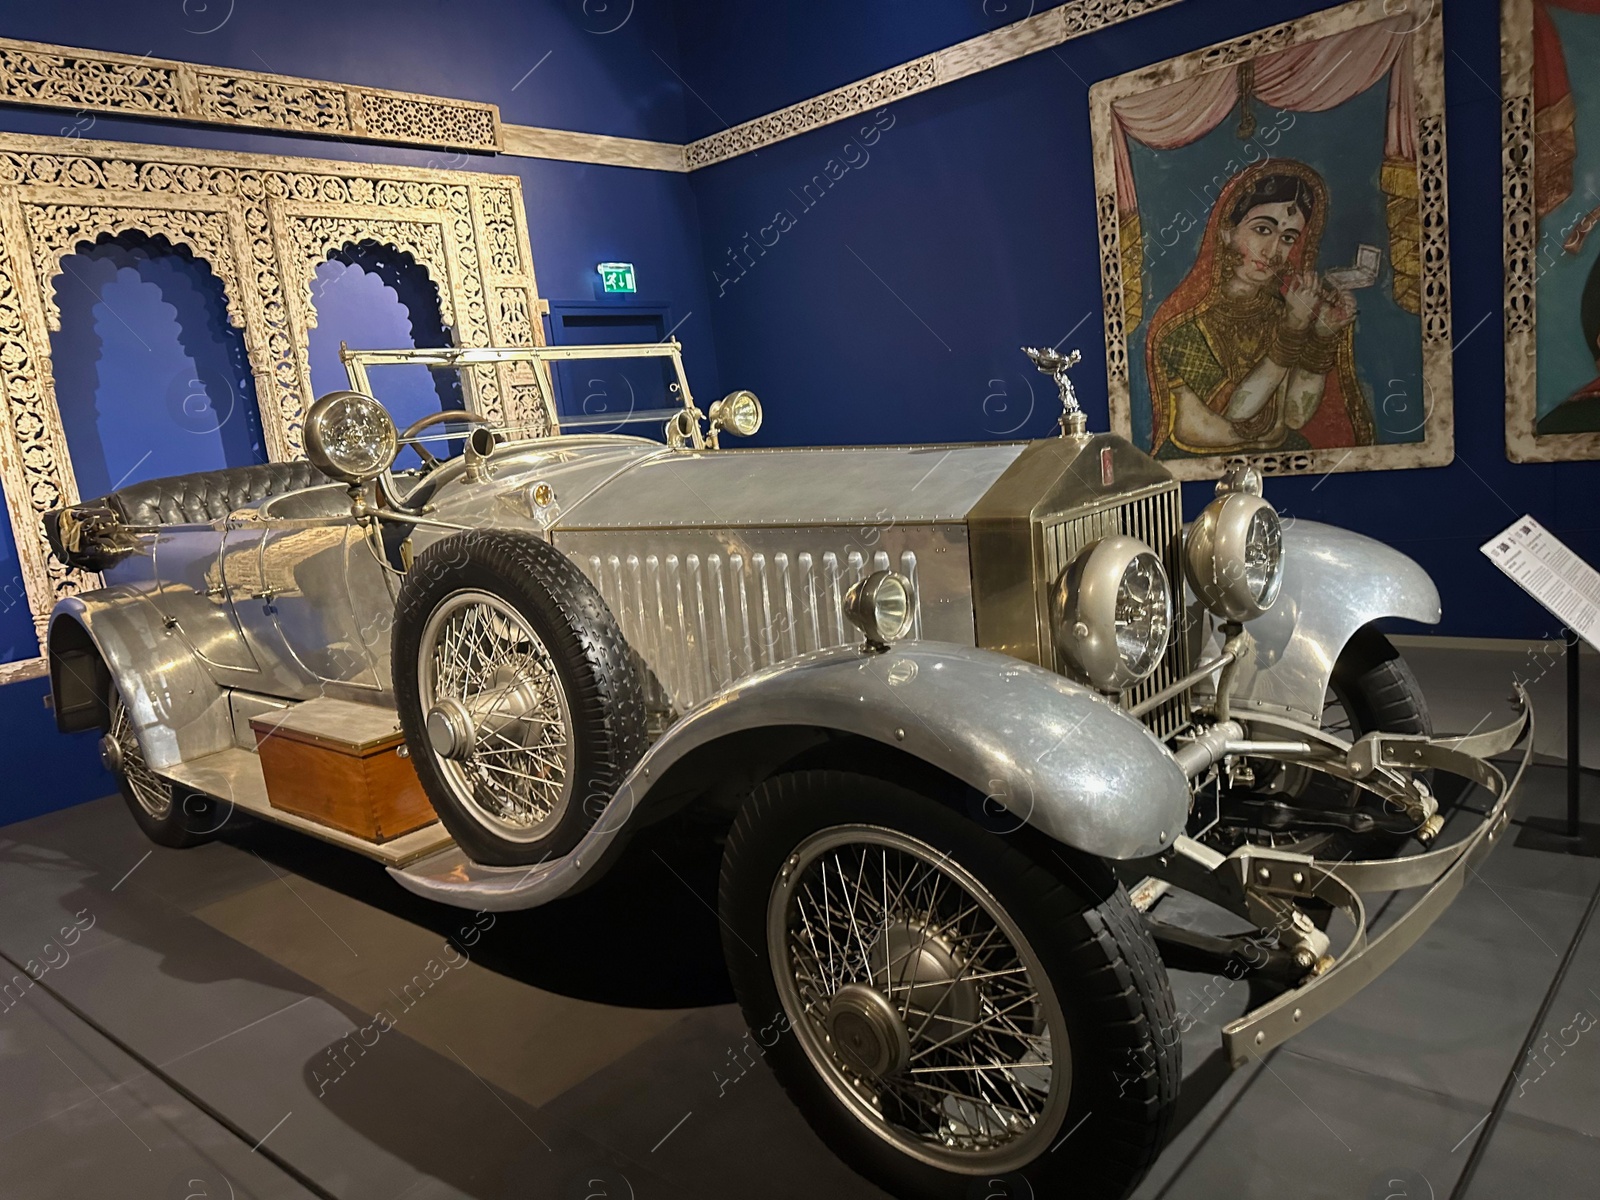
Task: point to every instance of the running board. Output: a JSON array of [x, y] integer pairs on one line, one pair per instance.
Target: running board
[[234, 777]]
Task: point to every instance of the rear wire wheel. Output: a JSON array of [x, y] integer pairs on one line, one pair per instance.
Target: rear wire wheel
[[168, 814]]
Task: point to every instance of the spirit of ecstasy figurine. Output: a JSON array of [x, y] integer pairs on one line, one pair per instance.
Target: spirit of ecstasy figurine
[[1053, 363]]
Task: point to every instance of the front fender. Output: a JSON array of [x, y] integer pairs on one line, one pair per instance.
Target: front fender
[[177, 709], [1334, 582], [1057, 755]]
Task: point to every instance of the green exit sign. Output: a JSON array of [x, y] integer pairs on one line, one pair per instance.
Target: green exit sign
[[617, 277]]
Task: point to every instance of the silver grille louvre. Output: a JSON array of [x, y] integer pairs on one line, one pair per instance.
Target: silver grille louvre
[[1156, 519]]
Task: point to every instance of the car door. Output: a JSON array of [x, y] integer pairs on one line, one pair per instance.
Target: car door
[[193, 598], [313, 570], [292, 580]]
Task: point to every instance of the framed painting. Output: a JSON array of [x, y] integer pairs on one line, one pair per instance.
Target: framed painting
[[1551, 161], [1274, 247]]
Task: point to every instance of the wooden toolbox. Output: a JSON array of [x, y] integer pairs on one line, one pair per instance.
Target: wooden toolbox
[[343, 765]]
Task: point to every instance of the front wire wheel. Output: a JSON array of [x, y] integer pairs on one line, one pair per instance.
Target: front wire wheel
[[918, 999], [951, 1006], [485, 677], [142, 786]]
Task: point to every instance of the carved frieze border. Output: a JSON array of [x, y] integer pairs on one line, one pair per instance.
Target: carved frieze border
[[261, 223], [98, 81], [1438, 445], [1027, 36]]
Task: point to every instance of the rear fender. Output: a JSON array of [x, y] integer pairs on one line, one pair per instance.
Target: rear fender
[[116, 635], [1056, 755]]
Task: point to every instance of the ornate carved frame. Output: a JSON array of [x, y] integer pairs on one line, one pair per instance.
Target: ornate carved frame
[[1519, 153], [99, 81], [262, 224], [1438, 445], [1030, 35]]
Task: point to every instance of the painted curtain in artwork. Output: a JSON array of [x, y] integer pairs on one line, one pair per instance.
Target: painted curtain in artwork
[[1312, 77]]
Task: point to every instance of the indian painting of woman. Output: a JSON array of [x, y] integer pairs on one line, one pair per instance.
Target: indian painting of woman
[[1248, 194], [1254, 349]]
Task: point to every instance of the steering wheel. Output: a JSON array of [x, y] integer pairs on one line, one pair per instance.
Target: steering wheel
[[439, 418]]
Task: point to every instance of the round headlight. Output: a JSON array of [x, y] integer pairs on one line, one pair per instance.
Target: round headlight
[[737, 412], [350, 436], [1233, 556], [881, 606], [1113, 612]]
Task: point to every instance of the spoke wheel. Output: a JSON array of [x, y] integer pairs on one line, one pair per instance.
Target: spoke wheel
[[1372, 690], [496, 702], [521, 701], [168, 814], [143, 786], [918, 999], [950, 1009]]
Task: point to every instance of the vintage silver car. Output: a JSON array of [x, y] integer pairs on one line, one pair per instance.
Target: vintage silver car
[[968, 717]]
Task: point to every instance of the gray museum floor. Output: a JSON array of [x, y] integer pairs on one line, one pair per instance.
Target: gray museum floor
[[591, 1049]]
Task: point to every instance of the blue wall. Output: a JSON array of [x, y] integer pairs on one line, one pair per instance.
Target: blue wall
[[878, 299], [561, 63], [890, 308]]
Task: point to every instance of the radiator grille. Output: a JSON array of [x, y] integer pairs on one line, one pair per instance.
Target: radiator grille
[[1156, 519]]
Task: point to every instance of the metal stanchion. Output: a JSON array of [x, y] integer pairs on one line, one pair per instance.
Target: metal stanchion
[[1569, 834], [1574, 764]]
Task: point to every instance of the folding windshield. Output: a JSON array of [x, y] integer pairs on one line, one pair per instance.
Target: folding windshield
[[517, 390]]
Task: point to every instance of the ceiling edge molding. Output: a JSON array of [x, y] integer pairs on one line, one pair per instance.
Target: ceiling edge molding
[[532, 141], [995, 48], [97, 81], [101, 82]]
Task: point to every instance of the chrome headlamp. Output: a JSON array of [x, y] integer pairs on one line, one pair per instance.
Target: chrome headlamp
[[738, 412], [1233, 556], [882, 606], [350, 436], [1113, 612]]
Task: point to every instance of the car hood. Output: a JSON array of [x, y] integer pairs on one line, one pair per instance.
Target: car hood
[[807, 486]]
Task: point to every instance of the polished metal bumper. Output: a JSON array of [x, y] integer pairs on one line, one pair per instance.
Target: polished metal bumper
[[1443, 871]]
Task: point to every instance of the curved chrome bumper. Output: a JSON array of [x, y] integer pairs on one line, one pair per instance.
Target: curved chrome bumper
[[1443, 871]]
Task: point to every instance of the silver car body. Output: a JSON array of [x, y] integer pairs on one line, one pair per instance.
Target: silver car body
[[727, 571]]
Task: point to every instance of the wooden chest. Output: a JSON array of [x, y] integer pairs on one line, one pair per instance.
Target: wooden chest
[[343, 765]]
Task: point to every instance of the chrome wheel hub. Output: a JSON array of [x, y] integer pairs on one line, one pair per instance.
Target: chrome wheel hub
[[866, 1029], [917, 1000], [111, 754], [921, 963], [496, 715]]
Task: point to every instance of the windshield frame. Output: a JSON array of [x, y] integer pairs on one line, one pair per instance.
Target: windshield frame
[[357, 362]]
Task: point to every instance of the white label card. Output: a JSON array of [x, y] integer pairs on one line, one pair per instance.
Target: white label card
[[1552, 574]]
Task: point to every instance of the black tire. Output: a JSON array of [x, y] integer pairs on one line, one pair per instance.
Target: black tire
[[167, 813], [597, 673], [1377, 689], [1099, 1138], [1378, 693]]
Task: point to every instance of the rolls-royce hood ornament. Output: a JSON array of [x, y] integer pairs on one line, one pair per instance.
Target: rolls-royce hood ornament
[[1053, 363]]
